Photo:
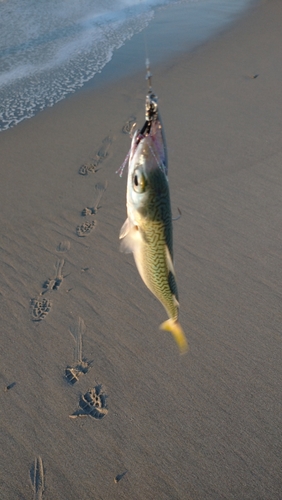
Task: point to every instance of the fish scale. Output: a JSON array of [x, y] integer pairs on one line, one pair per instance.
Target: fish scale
[[156, 268]]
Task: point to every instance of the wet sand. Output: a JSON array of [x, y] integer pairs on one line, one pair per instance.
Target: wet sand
[[206, 425]]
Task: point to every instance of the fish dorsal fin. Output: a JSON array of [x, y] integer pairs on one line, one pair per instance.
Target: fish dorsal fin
[[130, 237]]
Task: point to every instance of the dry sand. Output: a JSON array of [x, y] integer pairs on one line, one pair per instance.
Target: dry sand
[[206, 425]]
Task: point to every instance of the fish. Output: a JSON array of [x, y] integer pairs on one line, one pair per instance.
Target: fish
[[147, 231]]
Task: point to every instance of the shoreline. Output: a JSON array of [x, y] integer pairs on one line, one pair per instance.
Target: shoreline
[[202, 426], [195, 24], [150, 42]]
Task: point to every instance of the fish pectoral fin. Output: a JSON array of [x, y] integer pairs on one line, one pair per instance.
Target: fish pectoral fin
[[175, 329], [127, 225], [130, 237]]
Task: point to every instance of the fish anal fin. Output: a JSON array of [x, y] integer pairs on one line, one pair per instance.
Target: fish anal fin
[[175, 300], [169, 260], [171, 277], [175, 329]]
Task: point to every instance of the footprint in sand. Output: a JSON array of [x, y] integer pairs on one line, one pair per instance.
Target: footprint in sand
[[129, 125], [92, 404], [40, 308], [63, 246], [85, 228], [73, 373], [54, 283], [37, 478], [100, 156], [81, 366], [101, 188], [88, 167], [88, 211]]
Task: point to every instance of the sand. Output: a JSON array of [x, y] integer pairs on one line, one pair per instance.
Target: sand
[[206, 425]]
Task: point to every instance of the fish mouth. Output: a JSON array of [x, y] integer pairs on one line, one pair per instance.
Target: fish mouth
[[149, 142], [149, 148]]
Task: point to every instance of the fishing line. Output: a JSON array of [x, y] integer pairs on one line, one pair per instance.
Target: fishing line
[[147, 60], [151, 98], [151, 104]]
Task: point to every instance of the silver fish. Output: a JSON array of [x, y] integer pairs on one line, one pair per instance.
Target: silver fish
[[147, 231]]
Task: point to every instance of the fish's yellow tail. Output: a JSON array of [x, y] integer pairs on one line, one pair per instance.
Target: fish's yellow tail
[[174, 327]]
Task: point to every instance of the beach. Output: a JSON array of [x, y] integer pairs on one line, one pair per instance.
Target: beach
[[77, 320]]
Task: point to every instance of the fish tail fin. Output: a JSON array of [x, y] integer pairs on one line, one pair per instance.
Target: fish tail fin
[[175, 329]]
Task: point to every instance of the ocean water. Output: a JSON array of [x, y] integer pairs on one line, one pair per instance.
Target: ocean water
[[51, 48]]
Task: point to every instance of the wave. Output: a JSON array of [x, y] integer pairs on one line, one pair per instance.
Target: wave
[[56, 46], [51, 48]]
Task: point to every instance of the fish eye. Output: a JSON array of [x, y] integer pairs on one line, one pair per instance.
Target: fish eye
[[139, 181]]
